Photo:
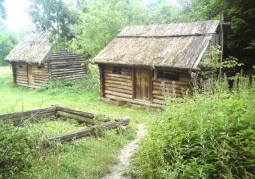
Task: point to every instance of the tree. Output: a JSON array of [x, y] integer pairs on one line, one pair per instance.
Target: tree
[[240, 38], [2, 10], [52, 15]]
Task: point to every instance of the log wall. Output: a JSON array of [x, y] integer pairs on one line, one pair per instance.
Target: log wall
[[66, 65], [123, 86], [39, 75], [162, 88], [20, 76], [117, 85]]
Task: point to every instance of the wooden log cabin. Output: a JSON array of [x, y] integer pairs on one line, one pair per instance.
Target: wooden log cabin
[[144, 63], [34, 63]]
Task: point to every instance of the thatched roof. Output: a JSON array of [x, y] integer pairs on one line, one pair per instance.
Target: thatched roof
[[179, 45], [34, 48]]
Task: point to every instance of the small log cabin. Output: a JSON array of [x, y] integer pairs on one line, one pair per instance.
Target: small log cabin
[[143, 63], [34, 63]]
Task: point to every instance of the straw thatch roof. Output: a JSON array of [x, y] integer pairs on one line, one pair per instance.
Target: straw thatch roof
[[34, 48], [179, 45]]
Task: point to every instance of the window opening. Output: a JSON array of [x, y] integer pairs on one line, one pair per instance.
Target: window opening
[[117, 70], [168, 75]]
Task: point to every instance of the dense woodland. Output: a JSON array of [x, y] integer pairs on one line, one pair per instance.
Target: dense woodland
[[96, 22]]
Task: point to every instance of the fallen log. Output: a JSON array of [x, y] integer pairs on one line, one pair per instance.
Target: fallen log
[[74, 111], [81, 119], [91, 130]]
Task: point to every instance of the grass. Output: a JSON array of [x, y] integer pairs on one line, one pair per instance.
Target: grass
[[85, 158]]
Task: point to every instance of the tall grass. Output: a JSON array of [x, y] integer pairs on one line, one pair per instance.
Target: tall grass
[[209, 135], [87, 158]]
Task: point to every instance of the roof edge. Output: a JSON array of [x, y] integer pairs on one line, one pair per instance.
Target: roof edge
[[144, 65]]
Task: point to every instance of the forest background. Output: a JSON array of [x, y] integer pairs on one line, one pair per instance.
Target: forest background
[[96, 22]]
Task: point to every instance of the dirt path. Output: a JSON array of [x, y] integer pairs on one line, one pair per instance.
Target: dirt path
[[125, 156]]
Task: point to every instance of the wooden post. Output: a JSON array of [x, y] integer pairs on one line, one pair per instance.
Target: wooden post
[[221, 42]]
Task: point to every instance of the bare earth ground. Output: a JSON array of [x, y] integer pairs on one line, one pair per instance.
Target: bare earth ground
[[125, 156]]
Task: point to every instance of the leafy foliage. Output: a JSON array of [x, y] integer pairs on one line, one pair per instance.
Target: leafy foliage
[[240, 36], [7, 41], [52, 15], [206, 136], [17, 149]]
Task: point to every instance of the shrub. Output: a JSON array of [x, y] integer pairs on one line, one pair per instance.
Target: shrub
[[206, 136], [17, 147]]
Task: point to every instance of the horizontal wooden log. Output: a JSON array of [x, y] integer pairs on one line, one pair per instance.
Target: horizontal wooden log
[[37, 114], [34, 118], [142, 103], [62, 73], [91, 130], [118, 82], [119, 76], [170, 82], [171, 88], [119, 90], [117, 79], [158, 101], [81, 119], [158, 92], [118, 86], [31, 112], [118, 94], [75, 111], [158, 97]]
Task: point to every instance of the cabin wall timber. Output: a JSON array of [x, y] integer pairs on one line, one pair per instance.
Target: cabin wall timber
[[141, 84], [61, 65]]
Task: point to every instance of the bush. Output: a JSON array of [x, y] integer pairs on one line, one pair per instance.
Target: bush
[[17, 147], [206, 136]]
